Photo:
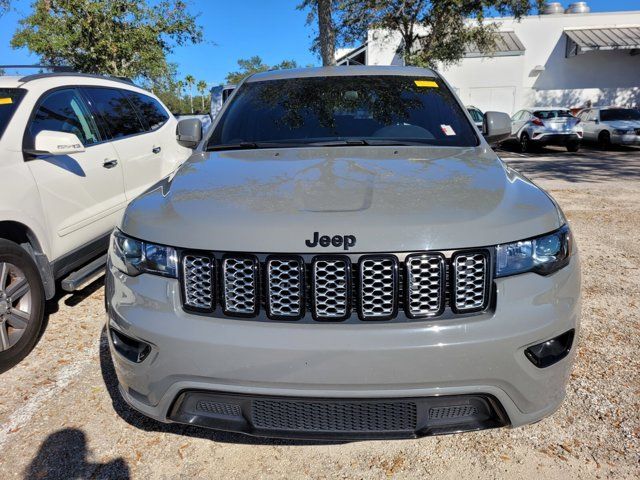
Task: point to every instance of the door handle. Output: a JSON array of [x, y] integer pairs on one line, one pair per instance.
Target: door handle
[[109, 163], [156, 149]]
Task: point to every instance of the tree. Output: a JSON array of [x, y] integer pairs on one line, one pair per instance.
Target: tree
[[190, 81], [253, 65], [128, 38], [325, 43], [432, 31], [202, 89]]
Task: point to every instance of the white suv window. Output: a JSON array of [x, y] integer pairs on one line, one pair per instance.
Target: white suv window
[[149, 109], [116, 110], [65, 111]]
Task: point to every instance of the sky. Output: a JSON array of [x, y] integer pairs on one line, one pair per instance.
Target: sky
[[234, 29]]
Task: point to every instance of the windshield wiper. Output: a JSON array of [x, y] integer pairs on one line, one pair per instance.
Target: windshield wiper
[[338, 143], [251, 146], [355, 142]]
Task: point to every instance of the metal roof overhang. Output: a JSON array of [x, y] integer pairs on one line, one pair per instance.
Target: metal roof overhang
[[581, 40], [357, 56], [507, 44]]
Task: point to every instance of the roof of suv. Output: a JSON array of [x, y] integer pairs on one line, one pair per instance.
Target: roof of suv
[[9, 81], [342, 71]]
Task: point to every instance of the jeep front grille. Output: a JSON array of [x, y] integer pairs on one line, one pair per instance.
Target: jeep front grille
[[425, 288], [239, 285], [331, 288], [198, 284], [337, 287], [470, 283], [378, 287], [285, 287]]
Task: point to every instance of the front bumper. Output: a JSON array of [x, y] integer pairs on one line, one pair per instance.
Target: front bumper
[[625, 139], [480, 356]]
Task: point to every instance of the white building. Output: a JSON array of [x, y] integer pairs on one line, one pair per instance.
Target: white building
[[559, 59]]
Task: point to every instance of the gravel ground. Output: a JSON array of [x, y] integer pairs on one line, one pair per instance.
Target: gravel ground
[[61, 416]]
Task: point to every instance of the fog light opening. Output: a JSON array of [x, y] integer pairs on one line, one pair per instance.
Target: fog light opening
[[552, 351], [133, 350]]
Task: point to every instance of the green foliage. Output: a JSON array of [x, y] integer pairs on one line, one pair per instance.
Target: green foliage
[[128, 38], [253, 65], [433, 31]]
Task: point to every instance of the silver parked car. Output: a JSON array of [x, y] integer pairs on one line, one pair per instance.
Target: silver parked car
[[344, 257], [611, 125], [537, 127]]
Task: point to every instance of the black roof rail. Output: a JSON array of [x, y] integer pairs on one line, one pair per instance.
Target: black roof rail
[[53, 68], [37, 76]]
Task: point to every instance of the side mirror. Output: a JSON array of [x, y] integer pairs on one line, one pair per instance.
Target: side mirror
[[189, 132], [48, 142], [496, 127], [596, 121]]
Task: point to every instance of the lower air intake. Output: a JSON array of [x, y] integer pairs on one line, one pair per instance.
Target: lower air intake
[[334, 416]]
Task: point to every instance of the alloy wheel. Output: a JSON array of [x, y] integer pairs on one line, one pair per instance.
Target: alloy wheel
[[15, 305]]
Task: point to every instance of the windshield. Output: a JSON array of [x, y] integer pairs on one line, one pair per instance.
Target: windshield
[[9, 100], [357, 110], [546, 114], [612, 114]]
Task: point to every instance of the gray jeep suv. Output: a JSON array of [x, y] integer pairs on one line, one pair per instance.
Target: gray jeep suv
[[344, 257]]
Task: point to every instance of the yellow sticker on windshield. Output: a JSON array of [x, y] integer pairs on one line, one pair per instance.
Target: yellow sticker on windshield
[[6, 101], [426, 83]]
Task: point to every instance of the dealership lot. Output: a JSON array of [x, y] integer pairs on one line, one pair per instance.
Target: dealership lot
[[60, 411]]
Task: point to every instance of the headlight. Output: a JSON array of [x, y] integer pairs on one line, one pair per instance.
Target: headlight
[[620, 131], [134, 257], [543, 255]]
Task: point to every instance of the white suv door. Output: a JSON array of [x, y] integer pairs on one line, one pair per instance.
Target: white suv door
[[135, 126], [82, 194]]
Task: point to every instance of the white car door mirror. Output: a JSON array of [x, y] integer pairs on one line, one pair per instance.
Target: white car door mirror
[[56, 143]]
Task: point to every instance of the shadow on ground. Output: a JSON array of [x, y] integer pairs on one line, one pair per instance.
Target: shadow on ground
[[142, 422], [587, 165], [63, 455], [71, 300]]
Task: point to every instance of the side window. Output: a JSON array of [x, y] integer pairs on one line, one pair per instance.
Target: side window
[[150, 110], [516, 116], [476, 115], [64, 111], [116, 111]]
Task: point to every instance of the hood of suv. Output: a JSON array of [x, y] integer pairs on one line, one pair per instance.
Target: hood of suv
[[391, 199]]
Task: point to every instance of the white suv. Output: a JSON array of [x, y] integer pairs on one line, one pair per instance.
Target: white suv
[[74, 150]]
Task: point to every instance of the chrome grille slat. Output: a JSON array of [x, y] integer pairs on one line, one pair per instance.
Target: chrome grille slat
[[331, 288], [378, 287], [470, 292], [285, 287], [239, 278], [198, 275], [425, 285]]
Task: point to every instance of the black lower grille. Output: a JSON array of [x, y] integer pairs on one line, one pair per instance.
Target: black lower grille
[[338, 418], [334, 416]]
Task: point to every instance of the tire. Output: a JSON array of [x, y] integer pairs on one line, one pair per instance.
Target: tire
[[604, 139], [573, 146], [525, 143], [21, 290]]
